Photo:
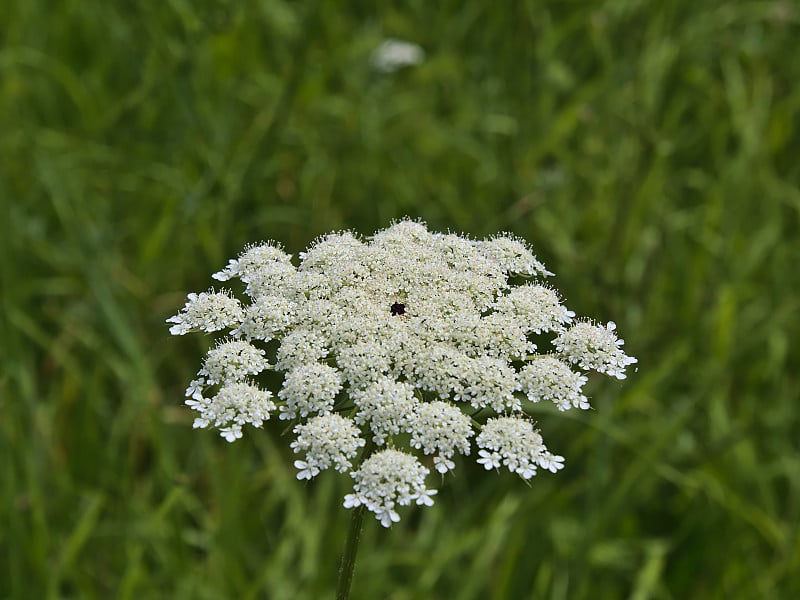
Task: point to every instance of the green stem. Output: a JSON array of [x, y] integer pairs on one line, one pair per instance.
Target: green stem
[[349, 556], [348, 563]]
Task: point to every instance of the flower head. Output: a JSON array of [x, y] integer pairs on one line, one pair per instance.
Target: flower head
[[386, 406], [442, 429], [232, 361], [594, 347], [549, 378], [309, 389], [233, 405], [207, 311], [513, 443], [327, 440], [409, 343], [386, 479]]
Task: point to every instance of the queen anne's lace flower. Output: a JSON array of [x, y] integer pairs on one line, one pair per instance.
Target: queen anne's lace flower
[[512, 442], [263, 267], [442, 429], [232, 361], [410, 339], [594, 347], [300, 347], [267, 317], [548, 378], [386, 406], [386, 479], [309, 389], [537, 307], [207, 311], [327, 440], [513, 255], [234, 405]]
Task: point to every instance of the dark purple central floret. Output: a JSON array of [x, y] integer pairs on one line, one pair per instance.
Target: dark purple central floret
[[398, 308]]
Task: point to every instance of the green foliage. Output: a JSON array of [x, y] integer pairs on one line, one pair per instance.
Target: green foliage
[[647, 150]]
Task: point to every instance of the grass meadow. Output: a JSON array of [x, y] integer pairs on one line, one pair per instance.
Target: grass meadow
[[648, 151]]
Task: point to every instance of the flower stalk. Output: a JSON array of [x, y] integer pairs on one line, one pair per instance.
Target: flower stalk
[[348, 563]]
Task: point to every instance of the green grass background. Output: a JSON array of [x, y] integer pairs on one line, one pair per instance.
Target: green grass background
[[649, 152]]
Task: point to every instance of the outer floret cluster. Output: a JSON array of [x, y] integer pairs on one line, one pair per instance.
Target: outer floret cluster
[[410, 343]]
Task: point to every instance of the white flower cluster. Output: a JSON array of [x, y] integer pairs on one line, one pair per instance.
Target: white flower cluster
[[386, 479], [512, 442], [594, 347], [549, 378], [207, 311], [408, 339], [442, 429], [327, 439], [233, 405], [309, 389], [386, 406]]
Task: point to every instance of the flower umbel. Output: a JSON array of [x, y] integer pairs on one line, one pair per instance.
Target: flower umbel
[[386, 479], [410, 343]]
